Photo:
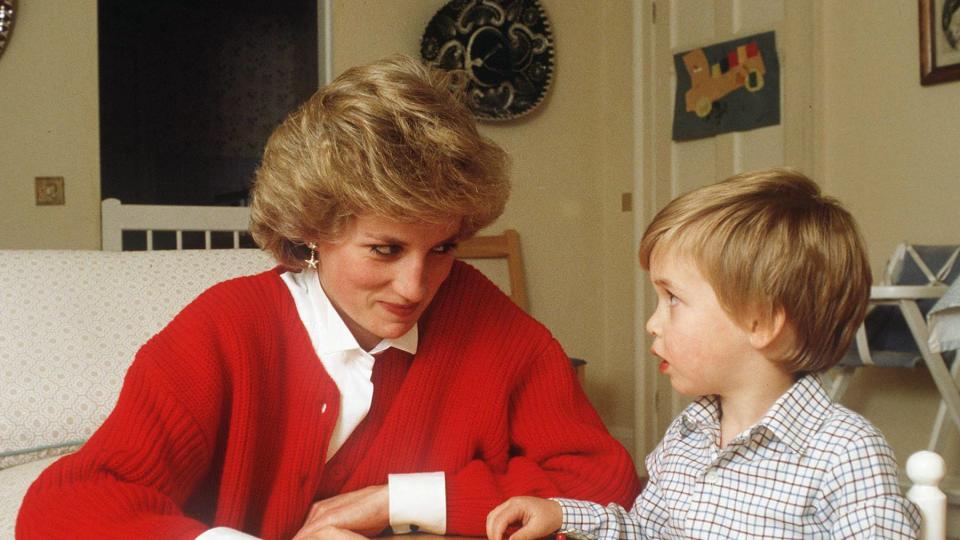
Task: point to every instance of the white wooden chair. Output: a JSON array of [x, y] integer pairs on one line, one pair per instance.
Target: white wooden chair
[[149, 219], [895, 332]]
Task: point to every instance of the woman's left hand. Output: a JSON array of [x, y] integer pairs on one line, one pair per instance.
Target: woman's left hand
[[365, 511]]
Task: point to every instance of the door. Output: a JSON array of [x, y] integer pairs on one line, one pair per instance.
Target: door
[[665, 169]]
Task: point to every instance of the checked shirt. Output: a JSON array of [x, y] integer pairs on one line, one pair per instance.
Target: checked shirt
[[808, 469]]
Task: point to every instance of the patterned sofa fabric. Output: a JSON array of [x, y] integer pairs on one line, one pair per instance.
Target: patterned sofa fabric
[[70, 324]]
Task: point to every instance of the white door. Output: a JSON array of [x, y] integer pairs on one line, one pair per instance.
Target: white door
[[665, 169]]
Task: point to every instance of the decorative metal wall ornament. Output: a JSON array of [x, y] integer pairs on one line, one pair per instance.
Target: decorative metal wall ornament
[[6, 23], [505, 48]]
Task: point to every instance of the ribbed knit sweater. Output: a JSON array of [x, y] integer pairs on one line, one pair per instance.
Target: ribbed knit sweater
[[225, 415]]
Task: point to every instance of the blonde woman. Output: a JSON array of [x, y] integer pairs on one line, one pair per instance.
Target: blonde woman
[[370, 380]]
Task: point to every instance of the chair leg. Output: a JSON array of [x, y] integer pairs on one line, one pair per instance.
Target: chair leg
[[839, 382], [942, 378], [939, 424]]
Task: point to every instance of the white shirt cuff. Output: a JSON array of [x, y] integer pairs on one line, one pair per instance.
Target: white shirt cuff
[[225, 533], [418, 501]]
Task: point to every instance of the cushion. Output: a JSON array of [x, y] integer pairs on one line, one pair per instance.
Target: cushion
[[70, 324]]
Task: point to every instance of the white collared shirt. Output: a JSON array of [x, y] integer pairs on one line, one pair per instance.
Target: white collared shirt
[[417, 499], [342, 357]]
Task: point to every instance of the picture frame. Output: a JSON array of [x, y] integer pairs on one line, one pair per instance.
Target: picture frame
[[6, 22], [939, 41]]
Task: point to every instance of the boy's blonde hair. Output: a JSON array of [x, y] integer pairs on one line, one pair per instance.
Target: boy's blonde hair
[[386, 139], [769, 240]]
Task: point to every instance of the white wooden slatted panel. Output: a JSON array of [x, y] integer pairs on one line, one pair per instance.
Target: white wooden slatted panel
[[117, 217]]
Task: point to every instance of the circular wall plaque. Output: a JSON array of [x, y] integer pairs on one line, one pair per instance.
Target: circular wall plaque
[[505, 47], [6, 23]]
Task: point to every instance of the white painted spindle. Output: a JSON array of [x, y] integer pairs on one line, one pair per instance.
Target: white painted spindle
[[925, 470]]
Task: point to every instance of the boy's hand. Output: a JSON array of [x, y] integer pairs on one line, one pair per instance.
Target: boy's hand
[[538, 518]]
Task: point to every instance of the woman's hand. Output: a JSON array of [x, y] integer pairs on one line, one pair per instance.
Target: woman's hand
[[364, 512], [537, 517]]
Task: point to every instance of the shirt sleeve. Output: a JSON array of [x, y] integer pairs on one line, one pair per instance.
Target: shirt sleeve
[[862, 497], [646, 519], [591, 521], [418, 502]]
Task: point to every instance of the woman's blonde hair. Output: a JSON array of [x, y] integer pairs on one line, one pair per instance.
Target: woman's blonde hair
[[769, 240], [389, 139]]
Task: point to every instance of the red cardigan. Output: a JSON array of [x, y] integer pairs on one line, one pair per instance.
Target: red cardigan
[[225, 415]]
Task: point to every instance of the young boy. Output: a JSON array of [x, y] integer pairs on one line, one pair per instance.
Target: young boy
[[761, 283]]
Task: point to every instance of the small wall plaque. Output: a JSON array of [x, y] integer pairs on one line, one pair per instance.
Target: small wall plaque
[[49, 190]]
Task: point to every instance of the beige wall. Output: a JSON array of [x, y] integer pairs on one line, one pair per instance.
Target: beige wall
[[572, 159], [49, 126], [887, 148]]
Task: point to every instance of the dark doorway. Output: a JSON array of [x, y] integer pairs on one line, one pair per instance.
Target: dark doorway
[[191, 89]]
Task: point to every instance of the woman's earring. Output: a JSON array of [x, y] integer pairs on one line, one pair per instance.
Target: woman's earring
[[312, 261]]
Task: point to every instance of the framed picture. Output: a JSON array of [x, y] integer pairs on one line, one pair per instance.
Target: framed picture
[[939, 41]]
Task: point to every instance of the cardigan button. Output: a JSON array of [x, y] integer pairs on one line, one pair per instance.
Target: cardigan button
[[323, 408]]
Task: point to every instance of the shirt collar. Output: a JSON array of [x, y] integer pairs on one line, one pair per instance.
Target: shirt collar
[[794, 418], [797, 415], [333, 332], [702, 413]]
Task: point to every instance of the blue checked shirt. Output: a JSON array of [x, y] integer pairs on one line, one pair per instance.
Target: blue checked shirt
[[808, 469]]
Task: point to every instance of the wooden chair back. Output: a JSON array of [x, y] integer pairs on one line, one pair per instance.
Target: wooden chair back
[[501, 246]]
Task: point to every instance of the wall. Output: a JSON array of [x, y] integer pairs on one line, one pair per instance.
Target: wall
[[572, 160], [49, 114], [887, 148]]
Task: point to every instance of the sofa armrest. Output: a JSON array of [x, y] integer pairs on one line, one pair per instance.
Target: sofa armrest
[[14, 483]]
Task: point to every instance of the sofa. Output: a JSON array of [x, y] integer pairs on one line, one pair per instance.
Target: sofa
[[70, 324]]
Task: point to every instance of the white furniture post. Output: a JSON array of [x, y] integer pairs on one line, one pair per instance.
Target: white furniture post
[[925, 470]]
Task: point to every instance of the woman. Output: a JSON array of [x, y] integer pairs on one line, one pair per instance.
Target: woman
[[370, 380]]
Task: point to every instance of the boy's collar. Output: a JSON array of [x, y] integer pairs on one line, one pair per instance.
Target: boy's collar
[[703, 412], [794, 418], [797, 415]]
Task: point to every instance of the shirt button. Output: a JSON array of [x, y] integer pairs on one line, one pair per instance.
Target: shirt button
[[323, 408], [712, 478]]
